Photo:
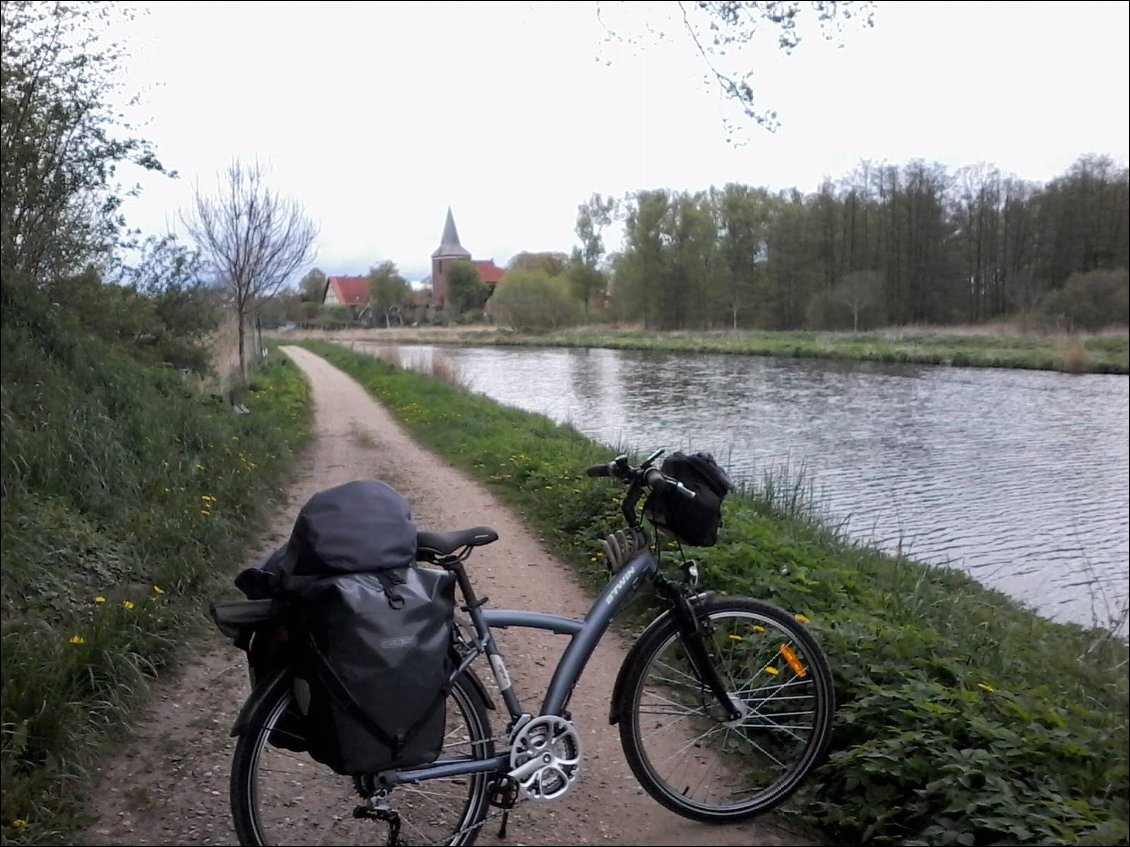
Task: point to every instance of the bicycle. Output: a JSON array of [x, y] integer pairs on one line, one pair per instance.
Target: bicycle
[[724, 706]]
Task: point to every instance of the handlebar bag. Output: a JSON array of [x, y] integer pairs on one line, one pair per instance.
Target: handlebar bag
[[693, 521], [370, 631]]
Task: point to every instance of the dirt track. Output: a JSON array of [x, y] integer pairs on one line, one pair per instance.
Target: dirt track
[[168, 782]]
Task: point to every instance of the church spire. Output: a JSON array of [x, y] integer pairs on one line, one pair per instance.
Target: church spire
[[449, 246]]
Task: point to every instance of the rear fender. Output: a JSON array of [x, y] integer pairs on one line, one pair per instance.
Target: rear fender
[[480, 689], [268, 687]]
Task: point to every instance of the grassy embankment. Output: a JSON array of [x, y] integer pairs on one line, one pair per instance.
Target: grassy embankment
[[980, 347], [129, 497], [128, 493], [963, 718]]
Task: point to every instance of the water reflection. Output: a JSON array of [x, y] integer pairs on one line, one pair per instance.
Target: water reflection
[[1019, 477]]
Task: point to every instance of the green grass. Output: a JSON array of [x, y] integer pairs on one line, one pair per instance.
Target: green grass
[[1076, 354], [963, 717], [129, 500], [126, 496]]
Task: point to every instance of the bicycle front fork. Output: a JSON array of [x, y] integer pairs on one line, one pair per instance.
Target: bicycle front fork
[[692, 635]]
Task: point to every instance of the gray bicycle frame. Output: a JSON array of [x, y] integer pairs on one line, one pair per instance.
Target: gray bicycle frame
[[585, 635]]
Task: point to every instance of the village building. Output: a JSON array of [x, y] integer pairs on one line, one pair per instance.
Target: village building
[[353, 291], [451, 251], [349, 291]]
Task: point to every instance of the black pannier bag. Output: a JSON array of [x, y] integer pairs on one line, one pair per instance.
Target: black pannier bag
[[370, 631], [693, 521], [375, 659]]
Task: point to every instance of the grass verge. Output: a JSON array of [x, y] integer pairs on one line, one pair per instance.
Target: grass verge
[[126, 494]]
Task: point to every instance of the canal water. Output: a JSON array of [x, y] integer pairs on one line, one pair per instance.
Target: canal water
[[1018, 477]]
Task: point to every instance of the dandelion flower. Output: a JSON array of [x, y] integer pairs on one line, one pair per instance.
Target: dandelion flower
[[77, 639], [158, 589], [19, 823], [988, 689], [127, 604], [99, 599], [801, 619]]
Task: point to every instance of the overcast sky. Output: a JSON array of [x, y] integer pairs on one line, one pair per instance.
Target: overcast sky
[[377, 117]]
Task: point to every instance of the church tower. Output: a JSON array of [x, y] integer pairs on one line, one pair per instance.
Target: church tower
[[449, 250]]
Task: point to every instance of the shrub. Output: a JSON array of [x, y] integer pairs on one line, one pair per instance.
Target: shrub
[[531, 300]]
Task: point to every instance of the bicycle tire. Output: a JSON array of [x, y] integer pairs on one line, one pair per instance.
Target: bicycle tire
[[674, 733], [279, 796]]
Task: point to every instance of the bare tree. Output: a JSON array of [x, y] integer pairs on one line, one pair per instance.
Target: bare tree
[[252, 239], [859, 291], [725, 32], [718, 27]]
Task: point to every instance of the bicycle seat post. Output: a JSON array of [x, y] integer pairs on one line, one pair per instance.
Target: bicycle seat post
[[473, 607]]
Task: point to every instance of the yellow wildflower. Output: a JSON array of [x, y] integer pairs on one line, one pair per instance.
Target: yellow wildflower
[[99, 599], [77, 639], [801, 619], [158, 589], [988, 689], [127, 604], [19, 823]]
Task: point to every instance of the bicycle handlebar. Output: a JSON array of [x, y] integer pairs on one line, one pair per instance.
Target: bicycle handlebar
[[652, 477], [637, 479]]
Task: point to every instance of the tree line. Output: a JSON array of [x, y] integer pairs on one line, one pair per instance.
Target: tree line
[[887, 245]]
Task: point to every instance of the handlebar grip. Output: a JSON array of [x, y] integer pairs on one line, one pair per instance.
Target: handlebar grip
[[599, 470], [658, 482]]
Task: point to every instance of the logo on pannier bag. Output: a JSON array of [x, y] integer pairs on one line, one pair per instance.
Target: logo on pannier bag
[[398, 642]]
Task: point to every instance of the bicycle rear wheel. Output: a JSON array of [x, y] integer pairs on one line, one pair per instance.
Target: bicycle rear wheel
[[279, 796], [676, 737]]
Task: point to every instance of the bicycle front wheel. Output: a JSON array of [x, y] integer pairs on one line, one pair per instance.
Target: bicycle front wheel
[[279, 796], [677, 738]]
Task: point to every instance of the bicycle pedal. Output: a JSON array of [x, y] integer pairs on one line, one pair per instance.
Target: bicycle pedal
[[504, 794]]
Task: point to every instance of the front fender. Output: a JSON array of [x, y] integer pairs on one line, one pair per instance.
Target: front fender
[[629, 661]]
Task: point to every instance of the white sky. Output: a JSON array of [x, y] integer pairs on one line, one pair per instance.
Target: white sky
[[376, 117]]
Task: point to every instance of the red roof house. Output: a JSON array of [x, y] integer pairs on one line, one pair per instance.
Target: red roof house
[[488, 271], [346, 291]]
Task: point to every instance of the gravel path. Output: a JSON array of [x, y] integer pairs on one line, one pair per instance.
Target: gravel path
[[168, 782]]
